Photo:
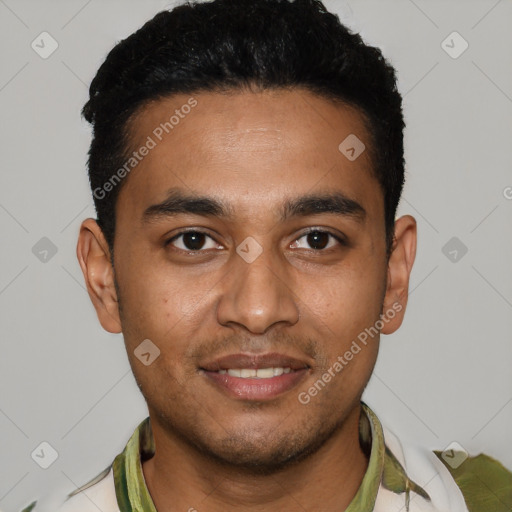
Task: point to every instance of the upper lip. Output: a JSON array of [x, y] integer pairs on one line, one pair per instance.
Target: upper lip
[[254, 361]]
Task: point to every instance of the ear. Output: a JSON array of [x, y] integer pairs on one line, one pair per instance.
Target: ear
[[95, 260], [400, 265]]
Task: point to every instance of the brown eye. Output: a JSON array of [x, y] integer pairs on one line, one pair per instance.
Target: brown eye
[[192, 241], [318, 240]]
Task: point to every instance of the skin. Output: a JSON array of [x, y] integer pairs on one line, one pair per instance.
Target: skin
[[253, 150]]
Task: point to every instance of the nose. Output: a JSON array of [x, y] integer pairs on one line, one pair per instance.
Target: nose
[[257, 294]]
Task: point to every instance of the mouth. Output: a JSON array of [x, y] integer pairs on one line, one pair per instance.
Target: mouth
[[251, 373], [255, 377]]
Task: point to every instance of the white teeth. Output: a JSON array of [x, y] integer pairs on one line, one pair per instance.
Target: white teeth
[[261, 373], [265, 373]]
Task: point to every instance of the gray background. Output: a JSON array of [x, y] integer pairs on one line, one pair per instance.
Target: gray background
[[445, 376]]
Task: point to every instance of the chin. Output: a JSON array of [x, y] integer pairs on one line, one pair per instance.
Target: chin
[[266, 453]]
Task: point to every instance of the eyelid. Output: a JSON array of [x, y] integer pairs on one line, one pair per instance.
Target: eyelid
[[339, 237], [200, 231], [320, 229]]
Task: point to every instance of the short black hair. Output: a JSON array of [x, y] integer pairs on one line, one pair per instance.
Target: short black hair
[[230, 45]]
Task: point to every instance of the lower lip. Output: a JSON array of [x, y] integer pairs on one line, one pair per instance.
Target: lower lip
[[257, 389]]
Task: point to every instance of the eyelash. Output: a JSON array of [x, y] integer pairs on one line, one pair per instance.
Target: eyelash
[[339, 239]]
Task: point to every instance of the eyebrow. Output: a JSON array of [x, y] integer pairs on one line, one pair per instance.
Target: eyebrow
[[177, 202]]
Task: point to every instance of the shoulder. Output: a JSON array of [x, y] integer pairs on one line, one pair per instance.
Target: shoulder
[[97, 494], [485, 483], [454, 480]]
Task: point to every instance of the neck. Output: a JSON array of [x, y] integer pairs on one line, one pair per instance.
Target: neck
[[180, 478]]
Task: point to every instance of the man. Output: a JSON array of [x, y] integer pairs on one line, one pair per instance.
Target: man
[[246, 166]]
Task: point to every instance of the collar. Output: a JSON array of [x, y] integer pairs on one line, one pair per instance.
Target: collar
[[383, 468]]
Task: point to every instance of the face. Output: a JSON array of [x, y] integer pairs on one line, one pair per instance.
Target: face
[[251, 252]]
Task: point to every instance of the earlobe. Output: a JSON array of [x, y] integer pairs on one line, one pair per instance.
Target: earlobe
[[400, 265], [94, 258]]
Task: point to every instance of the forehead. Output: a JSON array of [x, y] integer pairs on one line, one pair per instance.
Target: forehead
[[249, 148]]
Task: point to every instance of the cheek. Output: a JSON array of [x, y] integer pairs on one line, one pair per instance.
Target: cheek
[[346, 301], [169, 310], [152, 282], [152, 296]]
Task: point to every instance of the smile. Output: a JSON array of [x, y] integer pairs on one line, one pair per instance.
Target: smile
[[262, 373], [256, 377]]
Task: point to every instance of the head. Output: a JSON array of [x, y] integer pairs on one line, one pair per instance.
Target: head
[[246, 167]]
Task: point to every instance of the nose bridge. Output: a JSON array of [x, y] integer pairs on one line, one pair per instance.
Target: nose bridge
[[257, 292]]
